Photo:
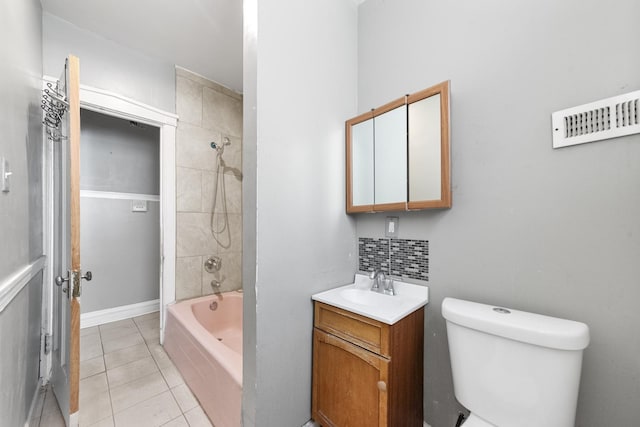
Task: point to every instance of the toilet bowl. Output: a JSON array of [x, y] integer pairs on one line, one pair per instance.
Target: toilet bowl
[[512, 368]]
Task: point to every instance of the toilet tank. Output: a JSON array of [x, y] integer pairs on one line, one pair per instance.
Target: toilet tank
[[512, 368]]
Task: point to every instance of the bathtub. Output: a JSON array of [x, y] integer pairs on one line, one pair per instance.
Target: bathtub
[[206, 347]]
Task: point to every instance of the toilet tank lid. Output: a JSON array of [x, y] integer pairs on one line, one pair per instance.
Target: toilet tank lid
[[517, 325]]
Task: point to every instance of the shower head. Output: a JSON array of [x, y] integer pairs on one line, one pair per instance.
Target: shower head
[[226, 141]]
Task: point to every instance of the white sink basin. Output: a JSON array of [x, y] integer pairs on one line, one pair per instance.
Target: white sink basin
[[358, 298], [362, 297]]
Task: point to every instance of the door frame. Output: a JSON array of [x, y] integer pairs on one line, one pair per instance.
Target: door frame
[[119, 106]]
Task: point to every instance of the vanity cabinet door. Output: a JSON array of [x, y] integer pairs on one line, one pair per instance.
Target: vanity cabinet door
[[365, 372], [349, 384]]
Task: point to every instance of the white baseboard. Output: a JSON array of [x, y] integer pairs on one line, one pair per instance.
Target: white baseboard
[[74, 419], [425, 424], [36, 402], [109, 315]]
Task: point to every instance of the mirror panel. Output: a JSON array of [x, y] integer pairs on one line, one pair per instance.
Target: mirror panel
[[424, 149], [391, 156], [362, 163], [398, 155]]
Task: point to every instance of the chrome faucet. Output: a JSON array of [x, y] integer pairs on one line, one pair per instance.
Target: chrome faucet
[[380, 283], [389, 288], [377, 276], [215, 284]]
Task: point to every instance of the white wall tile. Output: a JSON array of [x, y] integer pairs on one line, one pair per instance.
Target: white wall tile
[[208, 183], [193, 147], [208, 113], [231, 272], [188, 277], [233, 192], [188, 189], [232, 189], [188, 101], [220, 111], [194, 234], [231, 238]]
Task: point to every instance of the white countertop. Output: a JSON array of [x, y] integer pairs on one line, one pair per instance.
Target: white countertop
[[358, 298]]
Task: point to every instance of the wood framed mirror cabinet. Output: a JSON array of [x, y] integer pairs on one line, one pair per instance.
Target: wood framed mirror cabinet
[[398, 155]]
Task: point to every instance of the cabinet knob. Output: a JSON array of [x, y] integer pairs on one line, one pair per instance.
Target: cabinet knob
[[382, 386]]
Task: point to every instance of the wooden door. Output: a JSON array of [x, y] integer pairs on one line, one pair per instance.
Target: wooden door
[[349, 384], [66, 258]]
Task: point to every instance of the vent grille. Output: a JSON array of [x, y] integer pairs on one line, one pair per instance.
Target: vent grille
[[608, 118]]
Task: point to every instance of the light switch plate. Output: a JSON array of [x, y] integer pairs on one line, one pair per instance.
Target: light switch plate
[[391, 226], [5, 175]]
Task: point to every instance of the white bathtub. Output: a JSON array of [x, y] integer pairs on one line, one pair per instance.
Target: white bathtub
[[206, 347]]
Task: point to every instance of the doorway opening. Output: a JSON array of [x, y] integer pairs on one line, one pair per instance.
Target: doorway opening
[[93, 100], [119, 217], [119, 107]]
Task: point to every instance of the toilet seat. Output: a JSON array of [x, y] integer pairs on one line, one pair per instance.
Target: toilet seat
[[475, 421]]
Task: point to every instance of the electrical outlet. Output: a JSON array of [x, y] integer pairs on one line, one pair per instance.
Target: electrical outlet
[[392, 224], [139, 206]]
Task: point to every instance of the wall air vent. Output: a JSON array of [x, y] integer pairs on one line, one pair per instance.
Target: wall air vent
[[608, 118]]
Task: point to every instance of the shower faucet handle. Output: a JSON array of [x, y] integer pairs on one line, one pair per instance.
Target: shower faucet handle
[[213, 264]]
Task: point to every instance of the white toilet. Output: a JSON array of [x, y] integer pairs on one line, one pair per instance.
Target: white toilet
[[513, 368]]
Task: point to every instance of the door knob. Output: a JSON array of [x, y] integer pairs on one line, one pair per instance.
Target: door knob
[[60, 280], [87, 276]]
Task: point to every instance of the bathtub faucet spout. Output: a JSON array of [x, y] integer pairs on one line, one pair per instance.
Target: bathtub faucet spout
[[215, 284]]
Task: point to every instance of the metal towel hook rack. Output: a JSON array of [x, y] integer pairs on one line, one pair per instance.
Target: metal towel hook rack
[[54, 104]]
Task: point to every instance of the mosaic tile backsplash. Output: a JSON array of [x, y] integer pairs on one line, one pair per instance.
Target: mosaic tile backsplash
[[372, 254], [397, 257]]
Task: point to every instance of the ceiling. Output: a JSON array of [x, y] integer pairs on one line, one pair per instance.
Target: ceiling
[[203, 36]]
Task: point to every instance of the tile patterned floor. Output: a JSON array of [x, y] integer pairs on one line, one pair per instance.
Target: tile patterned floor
[[126, 379]]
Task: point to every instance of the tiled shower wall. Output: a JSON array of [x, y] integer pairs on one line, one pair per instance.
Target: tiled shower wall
[[397, 257], [207, 112]]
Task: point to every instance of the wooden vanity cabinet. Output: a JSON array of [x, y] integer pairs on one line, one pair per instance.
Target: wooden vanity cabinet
[[366, 373]]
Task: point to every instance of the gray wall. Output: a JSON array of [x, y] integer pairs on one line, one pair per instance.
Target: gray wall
[[120, 247], [549, 231], [20, 209], [107, 65], [122, 250], [20, 353], [297, 100], [118, 156]]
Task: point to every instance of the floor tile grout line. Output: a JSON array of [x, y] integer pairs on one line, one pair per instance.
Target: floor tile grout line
[[159, 371], [147, 342], [106, 379], [142, 401]]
